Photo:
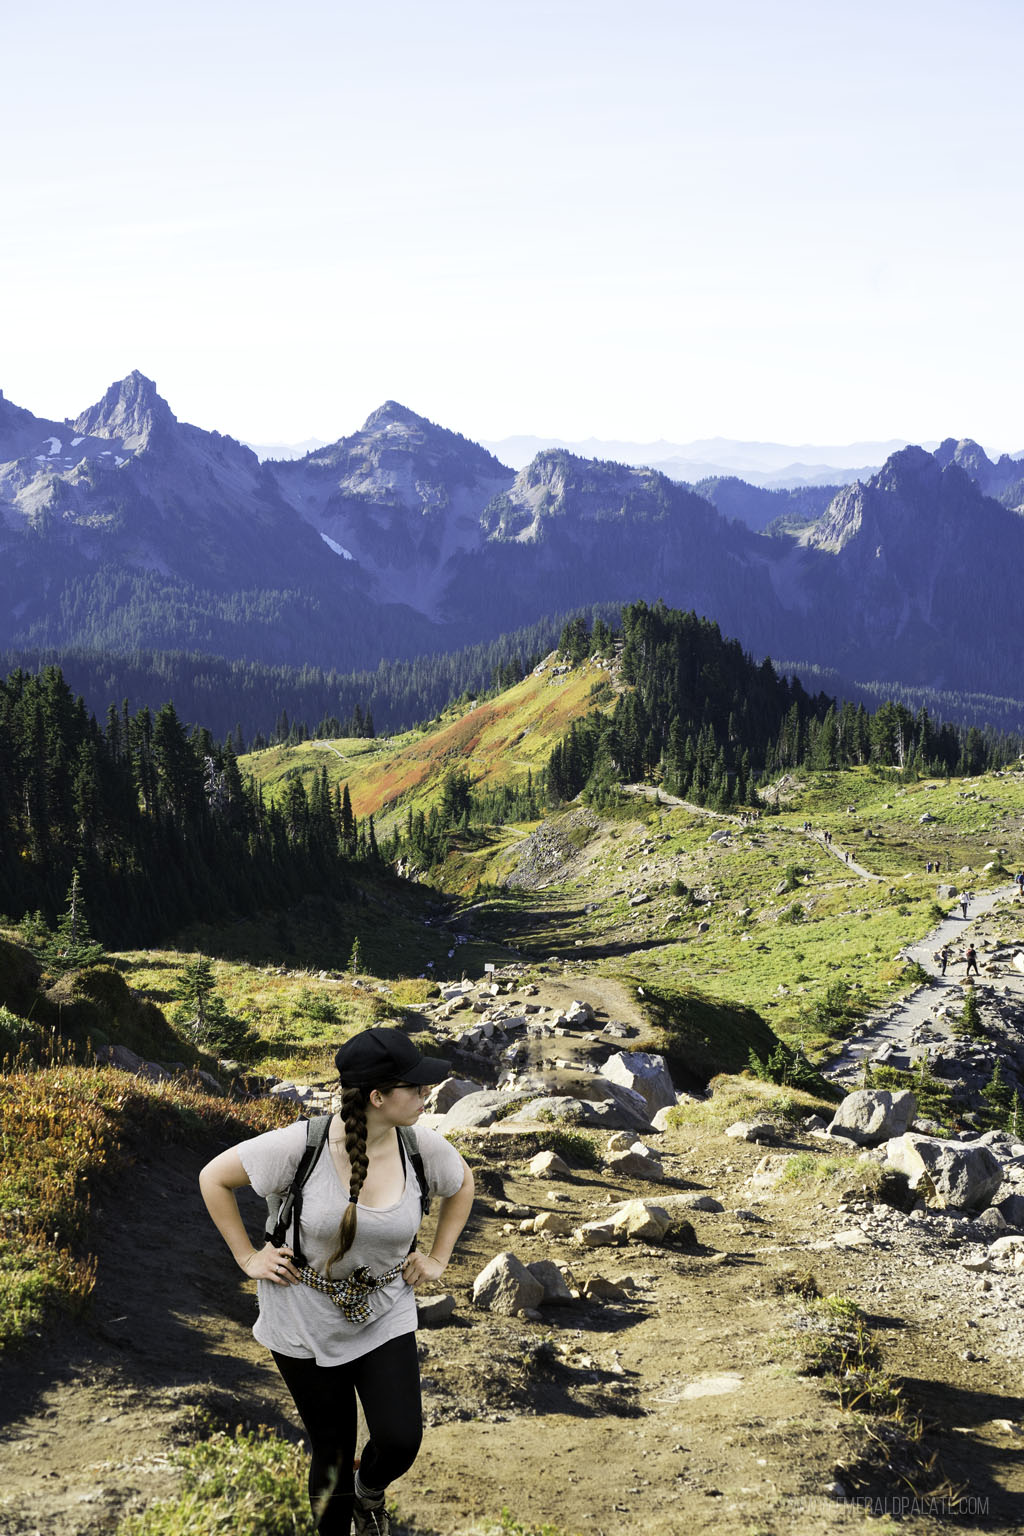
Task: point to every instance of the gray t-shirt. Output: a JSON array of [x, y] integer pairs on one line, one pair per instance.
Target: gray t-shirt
[[300, 1321]]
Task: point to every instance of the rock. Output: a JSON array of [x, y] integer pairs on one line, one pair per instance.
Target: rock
[[506, 1285], [579, 1015], [431, 1311], [597, 1288], [961, 1174], [610, 1113], [1012, 1209], [991, 1221], [644, 1074], [755, 1130], [873, 1115], [483, 1107], [596, 1234], [638, 1163], [640, 1219], [552, 1280], [554, 1223], [441, 1097], [1006, 1248], [674, 1204], [211, 1084], [548, 1165]]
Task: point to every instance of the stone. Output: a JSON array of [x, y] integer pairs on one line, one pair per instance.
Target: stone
[[552, 1279], [642, 1073], [640, 1219], [483, 1107], [431, 1311], [873, 1115], [1012, 1210], [610, 1113], [548, 1165], [579, 1015], [638, 1163], [506, 1285], [443, 1095], [1006, 1247], [674, 1204], [961, 1174], [554, 1223], [211, 1084], [598, 1288], [596, 1234], [619, 1141]]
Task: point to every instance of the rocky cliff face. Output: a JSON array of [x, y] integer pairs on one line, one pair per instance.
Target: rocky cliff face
[[1003, 480], [400, 497], [406, 537]]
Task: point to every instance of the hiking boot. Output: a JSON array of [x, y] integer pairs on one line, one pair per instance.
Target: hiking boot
[[370, 1519]]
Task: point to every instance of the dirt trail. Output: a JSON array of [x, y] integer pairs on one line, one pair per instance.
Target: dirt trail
[[680, 1408]]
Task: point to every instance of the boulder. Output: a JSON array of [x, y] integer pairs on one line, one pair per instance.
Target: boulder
[[441, 1097], [639, 1162], [431, 1311], [553, 1223], [579, 1014], [549, 1165], [640, 1219], [960, 1174], [609, 1113], [506, 1285], [552, 1279], [596, 1234], [482, 1107], [598, 1288], [1012, 1209], [759, 1131], [644, 1074], [873, 1115]]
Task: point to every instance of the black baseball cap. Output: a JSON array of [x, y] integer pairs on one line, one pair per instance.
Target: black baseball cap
[[384, 1055]]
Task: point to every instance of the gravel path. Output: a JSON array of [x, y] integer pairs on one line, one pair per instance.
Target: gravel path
[[902, 1026]]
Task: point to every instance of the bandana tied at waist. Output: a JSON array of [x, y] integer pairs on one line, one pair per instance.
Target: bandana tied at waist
[[352, 1295]]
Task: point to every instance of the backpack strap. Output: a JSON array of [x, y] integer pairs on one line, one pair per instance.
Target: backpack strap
[[409, 1147], [290, 1208]]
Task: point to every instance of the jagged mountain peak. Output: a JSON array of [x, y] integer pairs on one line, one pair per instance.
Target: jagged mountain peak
[[392, 414], [130, 410], [964, 451]]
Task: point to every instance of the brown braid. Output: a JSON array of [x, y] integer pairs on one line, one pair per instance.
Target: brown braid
[[353, 1114]]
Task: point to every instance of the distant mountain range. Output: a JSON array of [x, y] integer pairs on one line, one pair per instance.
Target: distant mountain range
[[127, 529]]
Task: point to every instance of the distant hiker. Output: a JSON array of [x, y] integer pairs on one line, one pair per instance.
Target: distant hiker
[[972, 960], [340, 1321], [964, 900], [944, 957]]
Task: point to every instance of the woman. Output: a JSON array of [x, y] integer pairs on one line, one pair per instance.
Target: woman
[[361, 1207]]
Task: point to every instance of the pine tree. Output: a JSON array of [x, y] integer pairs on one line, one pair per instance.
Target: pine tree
[[72, 946], [355, 959]]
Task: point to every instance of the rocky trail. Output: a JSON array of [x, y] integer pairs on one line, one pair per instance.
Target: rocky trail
[[659, 1379], [925, 1021]]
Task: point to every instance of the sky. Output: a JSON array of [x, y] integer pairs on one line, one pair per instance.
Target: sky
[[677, 219]]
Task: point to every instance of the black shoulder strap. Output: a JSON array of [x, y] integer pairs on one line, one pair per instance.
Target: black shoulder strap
[[409, 1144], [409, 1147], [316, 1139]]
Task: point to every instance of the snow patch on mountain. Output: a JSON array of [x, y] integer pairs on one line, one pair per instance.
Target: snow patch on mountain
[[339, 549]]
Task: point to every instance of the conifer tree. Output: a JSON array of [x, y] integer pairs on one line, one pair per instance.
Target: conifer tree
[[72, 945]]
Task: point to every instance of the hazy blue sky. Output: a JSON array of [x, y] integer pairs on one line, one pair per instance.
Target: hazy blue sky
[[754, 218]]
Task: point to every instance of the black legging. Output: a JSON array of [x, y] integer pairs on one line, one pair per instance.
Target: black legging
[[387, 1381]]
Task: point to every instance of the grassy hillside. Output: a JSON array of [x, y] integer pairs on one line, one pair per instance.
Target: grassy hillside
[[496, 742]]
